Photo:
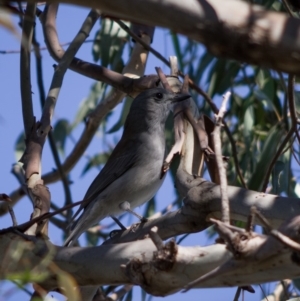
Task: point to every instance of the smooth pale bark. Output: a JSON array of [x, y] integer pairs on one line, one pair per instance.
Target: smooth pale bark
[[158, 275], [231, 28], [203, 201]]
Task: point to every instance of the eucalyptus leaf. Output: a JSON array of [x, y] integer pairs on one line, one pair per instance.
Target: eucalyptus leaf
[[266, 101], [60, 134], [176, 45], [89, 103], [99, 159], [20, 146], [265, 157], [125, 110], [150, 208], [215, 76], [66, 281], [205, 60], [109, 44], [249, 120], [277, 171], [232, 70], [92, 238]]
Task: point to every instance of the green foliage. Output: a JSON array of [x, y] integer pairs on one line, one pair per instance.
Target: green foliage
[[125, 110], [20, 146], [109, 45], [96, 160], [221, 76], [150, 208], [296, 283], [264, 158], [92, 238], [60, 134], [97, 93], [257, 115], [67, 282]]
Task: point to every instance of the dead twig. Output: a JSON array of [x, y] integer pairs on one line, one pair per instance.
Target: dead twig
[[219, 159]]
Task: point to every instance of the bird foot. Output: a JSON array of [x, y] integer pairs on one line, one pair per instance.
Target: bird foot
[[126, 207]]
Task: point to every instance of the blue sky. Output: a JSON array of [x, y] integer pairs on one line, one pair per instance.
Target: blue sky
[[75, 89]]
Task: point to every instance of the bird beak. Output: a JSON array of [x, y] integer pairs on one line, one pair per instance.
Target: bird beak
[[181, 96]]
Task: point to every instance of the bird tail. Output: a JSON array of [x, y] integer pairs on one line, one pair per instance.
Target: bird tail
[[86, 220], [73, 236]]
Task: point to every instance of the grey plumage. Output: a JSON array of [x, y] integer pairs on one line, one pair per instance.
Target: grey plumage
[[132, 172]]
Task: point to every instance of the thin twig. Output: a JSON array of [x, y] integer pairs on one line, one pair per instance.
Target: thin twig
[[12, 215], [287, 7], [23, 227], [39, 71], [163, 79], [237, 294], [180, 240], [227, 130], [219, 160], [156, 238], [138, 39], [285, 100], [43, 48], [48, 110], [285, 240], [27, 32], [291, 100], [297, 135], [295, 157], [265, 223], [117, 295]]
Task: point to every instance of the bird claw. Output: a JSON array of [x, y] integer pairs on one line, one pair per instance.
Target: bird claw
[[113, 233], [126, 207], [144, 219]]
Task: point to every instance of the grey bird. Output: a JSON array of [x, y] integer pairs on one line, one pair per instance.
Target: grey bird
[[132, 173]]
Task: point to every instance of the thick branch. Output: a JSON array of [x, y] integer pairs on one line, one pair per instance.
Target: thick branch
[[159, 272], [203, 201], [254, 35]]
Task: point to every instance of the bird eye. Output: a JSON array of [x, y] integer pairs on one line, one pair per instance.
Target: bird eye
[[159, 95]]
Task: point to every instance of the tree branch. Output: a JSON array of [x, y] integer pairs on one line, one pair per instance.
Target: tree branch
[[123, 83], [254, 36], [60, 72], [42, 94], [160, 273], [202, 202], [25, 74], [219, 159]]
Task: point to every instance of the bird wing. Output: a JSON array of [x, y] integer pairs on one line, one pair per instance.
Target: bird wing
[[122, 158]]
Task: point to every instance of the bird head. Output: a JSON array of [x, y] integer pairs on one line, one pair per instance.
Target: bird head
[[155, 104]]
